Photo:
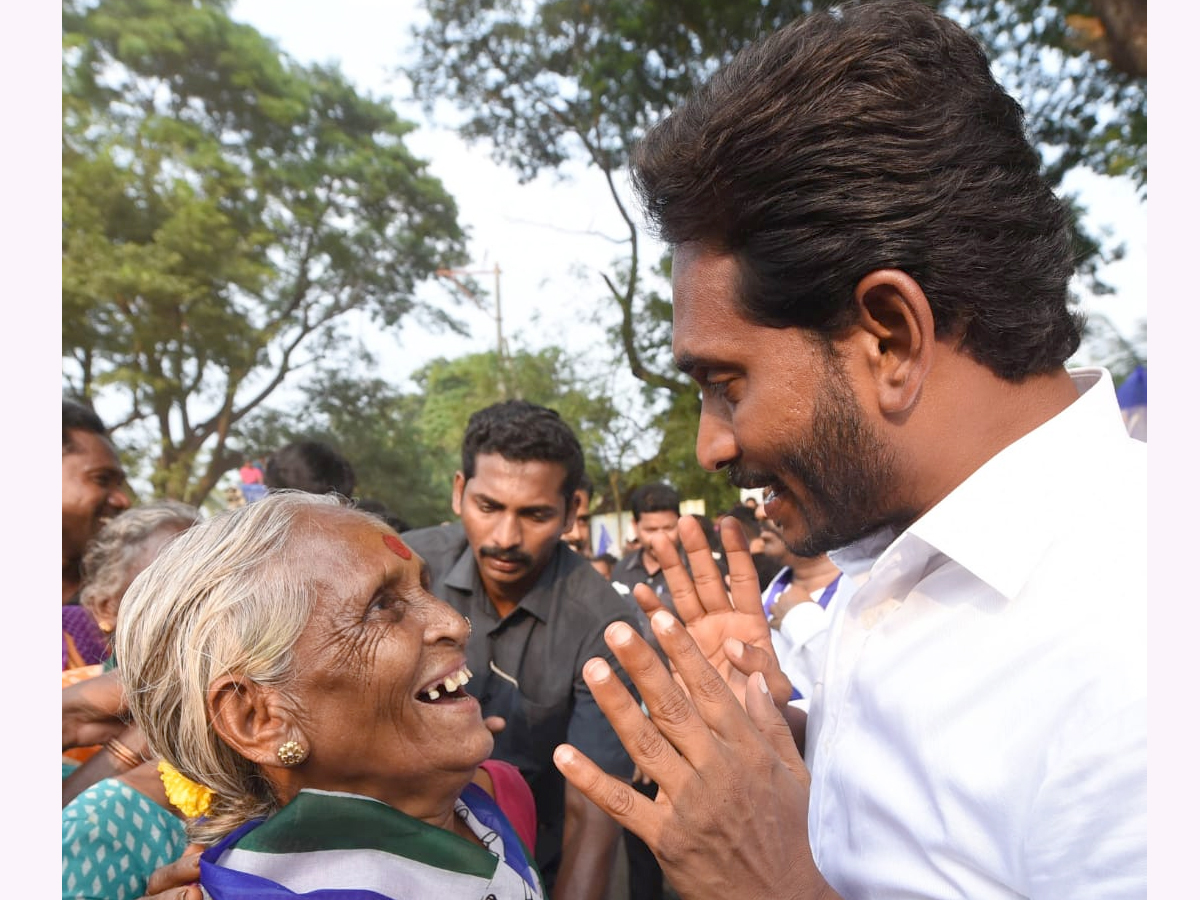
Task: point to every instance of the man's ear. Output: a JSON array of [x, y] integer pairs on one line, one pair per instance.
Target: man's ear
[[456, 495], [897, 327], [253, 720]]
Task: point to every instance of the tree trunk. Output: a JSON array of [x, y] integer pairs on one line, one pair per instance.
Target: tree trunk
[[1116, 33]]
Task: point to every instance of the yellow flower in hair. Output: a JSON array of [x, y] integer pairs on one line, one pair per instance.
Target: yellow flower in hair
[[190, 798]]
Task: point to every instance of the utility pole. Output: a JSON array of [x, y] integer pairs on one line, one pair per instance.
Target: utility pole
[[504, 369]]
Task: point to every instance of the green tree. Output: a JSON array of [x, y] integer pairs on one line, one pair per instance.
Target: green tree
[[1079, 68], [556, 81], [224, 209], [376, 427]]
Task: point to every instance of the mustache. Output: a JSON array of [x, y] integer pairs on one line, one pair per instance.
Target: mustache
[[742, 477], [508, 556]]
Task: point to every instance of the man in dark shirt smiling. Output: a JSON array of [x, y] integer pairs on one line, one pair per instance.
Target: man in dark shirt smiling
[[538, 612]]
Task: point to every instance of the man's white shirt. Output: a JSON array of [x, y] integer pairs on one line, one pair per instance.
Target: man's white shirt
[[978, 727]]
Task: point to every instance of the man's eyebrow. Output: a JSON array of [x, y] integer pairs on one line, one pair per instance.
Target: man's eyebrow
[[687, 363], [540, 508]]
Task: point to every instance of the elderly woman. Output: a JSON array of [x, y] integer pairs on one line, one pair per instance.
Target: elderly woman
[[124, 547], [287, 659]]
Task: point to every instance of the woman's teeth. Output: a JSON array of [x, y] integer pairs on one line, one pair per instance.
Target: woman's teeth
[[452, 683]]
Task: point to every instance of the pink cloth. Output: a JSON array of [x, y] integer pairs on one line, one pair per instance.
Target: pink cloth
[[514, 798], [250, 475]]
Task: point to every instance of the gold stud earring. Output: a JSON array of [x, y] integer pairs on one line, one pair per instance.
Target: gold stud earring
[[291, 753]]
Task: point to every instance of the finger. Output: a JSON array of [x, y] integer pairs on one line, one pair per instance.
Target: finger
[[621, 802], [743, 576], [710, 584], [708, 696], [651, 750], [676, 573], [191, 892], [646, 599], [674, 731], [774, 728], [180, 873], [748, 659], [683, 583]]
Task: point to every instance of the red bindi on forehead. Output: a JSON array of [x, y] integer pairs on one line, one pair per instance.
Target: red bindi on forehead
[[397, 546]]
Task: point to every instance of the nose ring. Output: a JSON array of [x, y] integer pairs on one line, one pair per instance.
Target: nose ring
[[470, 628]]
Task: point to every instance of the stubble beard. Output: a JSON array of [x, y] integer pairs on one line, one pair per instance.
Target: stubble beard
[[847, 473]]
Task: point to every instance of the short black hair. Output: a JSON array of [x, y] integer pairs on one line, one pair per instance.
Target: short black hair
[[871, 137], [521, 431], [78, 417], [655, 497], [309, 466]]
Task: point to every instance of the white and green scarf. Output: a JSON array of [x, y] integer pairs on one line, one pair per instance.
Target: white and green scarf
[[333, 846]]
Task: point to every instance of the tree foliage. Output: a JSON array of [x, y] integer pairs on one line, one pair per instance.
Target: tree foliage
[[223, 209], [405, 447], [1079, 68], [558, 80], [375, 426]]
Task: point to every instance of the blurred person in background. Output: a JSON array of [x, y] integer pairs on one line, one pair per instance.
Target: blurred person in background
[[93, 489]]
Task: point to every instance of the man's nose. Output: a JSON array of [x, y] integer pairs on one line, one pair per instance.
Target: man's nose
[[716, 447], [507, 532], [118, 499]]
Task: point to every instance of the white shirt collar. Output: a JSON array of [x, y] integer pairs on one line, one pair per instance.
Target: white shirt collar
[[1000, 520]]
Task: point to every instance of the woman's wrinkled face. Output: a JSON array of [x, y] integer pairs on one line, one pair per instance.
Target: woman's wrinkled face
[[377, 695]]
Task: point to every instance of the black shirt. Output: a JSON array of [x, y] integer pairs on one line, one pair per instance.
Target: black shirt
[[527, 667]]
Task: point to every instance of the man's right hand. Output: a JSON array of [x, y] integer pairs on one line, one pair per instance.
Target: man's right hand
[[178, 880], [729, 626], [731, 814]]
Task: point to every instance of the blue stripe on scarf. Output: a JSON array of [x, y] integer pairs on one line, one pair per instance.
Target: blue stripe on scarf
[[228, 884], [486, 811]]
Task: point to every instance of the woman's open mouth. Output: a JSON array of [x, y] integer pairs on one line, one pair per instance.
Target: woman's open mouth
[[448, 688]]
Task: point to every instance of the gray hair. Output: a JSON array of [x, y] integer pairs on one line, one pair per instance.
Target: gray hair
[[225, 598], [119, 544]]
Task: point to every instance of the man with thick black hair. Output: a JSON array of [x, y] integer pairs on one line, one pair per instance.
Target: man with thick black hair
[[870, 283]]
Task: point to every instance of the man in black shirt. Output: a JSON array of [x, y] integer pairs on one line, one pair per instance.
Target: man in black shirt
[[538, 611], [655, 511]]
